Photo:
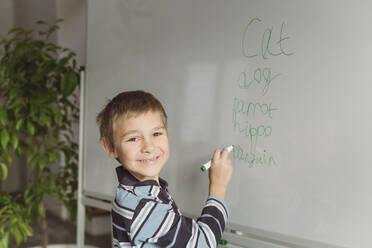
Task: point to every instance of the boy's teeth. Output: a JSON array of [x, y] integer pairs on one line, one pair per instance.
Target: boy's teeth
[[148, 160]]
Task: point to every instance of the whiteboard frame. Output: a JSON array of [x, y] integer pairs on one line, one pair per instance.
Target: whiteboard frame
[[81, 207], [243, 236]]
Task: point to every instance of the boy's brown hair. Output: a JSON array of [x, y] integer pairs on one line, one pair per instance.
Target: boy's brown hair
[[127, 103]]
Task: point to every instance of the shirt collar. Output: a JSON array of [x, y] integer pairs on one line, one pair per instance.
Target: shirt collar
[[124, 177]]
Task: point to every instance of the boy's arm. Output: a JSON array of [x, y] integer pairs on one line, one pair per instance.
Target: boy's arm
[[219, 173], [161, 224], [157, 223]]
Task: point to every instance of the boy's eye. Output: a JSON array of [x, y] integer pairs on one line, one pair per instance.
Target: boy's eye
[[158, 133], [134, 139]]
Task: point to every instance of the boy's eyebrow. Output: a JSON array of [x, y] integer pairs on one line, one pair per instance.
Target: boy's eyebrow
[[158, 128]]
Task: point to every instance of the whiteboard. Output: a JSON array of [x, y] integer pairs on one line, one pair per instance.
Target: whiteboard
[[288, 83]]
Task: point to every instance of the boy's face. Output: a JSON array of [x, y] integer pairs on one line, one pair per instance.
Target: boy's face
[[141, 144]]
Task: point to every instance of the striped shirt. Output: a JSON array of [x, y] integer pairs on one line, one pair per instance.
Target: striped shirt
[[144, 215]]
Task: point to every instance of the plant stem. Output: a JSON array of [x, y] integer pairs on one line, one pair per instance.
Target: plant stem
[[45, 227]]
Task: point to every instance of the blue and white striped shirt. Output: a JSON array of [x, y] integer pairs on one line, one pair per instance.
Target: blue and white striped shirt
[[144, 215]]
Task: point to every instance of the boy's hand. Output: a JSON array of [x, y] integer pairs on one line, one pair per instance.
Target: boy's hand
[[219, 173]]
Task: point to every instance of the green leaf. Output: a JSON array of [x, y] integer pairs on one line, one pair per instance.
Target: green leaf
[[17, 106], [48, 121], [13, 93], [45, 119], [5, 240], [35, 162], [3, 117], [29, 158], [33, 110], [42, 162], [28, 196], [4, 170], [14, 140], [26, 229], [69, 82], [58, 118], [17, 236], [30, 128], [5, 154], [14, 30], [4, 138], [19, 124], [40, 210], [18, 109], [43, 100], [42, 118], [19, 151], [41, 22], [53, 157], [35, 149]]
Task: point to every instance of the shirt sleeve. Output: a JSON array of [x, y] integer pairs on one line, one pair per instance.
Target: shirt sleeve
[[156, 224]]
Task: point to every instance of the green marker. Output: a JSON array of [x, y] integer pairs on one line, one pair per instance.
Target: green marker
[[223, 242], [207, 165]]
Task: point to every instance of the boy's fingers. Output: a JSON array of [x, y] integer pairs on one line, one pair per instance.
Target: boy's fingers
[[224, 153], [216, 155]]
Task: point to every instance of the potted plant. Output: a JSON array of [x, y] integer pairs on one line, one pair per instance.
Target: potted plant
[[38, 106]]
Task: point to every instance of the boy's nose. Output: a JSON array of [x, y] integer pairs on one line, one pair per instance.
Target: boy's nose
[[147, 146]]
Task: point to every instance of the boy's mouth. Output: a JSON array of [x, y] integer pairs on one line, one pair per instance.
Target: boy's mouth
[[149, 161]]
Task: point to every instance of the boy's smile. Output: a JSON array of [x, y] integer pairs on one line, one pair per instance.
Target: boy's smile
[[141, 144]]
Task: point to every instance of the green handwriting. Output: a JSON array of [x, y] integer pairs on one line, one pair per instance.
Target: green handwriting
[[262, 77], [253, 132], [255, 159], [250, 108], [266, 43]]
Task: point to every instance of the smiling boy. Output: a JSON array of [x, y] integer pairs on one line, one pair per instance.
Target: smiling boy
[[133, 128]]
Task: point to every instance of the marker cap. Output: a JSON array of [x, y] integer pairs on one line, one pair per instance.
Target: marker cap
[[223, 242]]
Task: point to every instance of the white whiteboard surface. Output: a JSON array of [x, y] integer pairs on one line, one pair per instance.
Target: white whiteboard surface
[[311, 66]]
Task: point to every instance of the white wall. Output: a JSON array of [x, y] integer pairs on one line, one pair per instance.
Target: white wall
[[6, 16], [27, 13], [72, 32]]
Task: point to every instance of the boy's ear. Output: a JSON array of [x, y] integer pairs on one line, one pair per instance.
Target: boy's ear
[[107, 148]]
